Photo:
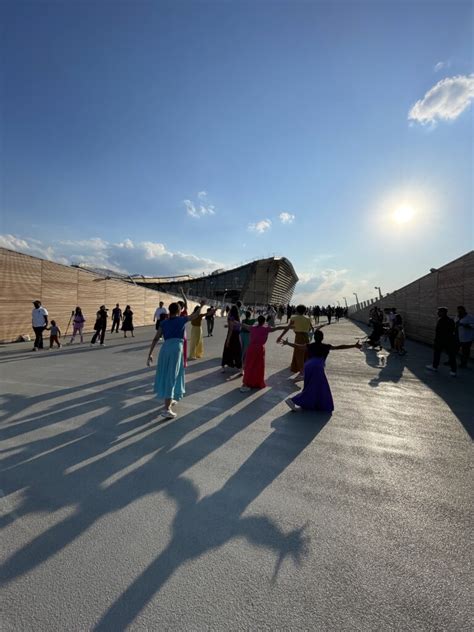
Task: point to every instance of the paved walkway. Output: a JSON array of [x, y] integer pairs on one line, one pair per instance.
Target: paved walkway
[[238, 515]]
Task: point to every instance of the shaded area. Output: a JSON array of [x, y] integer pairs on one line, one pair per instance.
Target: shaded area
[[71, 467], [458, 393]]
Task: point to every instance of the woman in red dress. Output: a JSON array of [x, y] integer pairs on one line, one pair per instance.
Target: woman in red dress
[[254, 370]]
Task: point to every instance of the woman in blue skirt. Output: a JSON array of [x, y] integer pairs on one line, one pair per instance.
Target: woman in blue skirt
[[169, 379], [316, 394]]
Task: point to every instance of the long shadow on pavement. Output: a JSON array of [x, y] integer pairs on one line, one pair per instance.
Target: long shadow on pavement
[[70, 468], [458, 393]]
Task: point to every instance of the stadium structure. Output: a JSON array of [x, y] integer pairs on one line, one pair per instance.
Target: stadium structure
[[268, 281]]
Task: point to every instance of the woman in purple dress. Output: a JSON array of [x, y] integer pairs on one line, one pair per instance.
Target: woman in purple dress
[[316, 394]]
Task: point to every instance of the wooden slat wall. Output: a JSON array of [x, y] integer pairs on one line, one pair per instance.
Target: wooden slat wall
[[450, 286], [60, 289]]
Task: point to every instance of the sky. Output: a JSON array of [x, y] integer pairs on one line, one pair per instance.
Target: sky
[[176, 137]]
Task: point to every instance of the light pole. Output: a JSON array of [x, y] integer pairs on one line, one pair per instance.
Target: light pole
[[377, 287], [345, 300], [357, 299]]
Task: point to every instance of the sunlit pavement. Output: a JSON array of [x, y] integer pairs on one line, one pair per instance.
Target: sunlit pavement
[[239, 514]]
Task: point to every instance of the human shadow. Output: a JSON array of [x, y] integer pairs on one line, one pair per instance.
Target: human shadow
[[202, 525], [86, 467], [457, 393]]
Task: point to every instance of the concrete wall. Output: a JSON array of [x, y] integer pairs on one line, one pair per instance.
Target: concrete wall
[[60, 288], [450, 286]]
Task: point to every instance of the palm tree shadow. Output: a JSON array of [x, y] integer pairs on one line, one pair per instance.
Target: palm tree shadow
[[202, 525]]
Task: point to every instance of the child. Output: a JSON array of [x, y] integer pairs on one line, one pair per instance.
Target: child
[[254, 369], [54, 335], [78, 321]]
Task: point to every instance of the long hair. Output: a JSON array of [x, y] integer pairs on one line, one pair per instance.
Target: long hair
[[234, 313]]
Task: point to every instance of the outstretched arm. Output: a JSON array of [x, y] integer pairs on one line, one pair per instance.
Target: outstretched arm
[[195, 315], [185, 300], [286, 328], [279, 328], [153, 343], [342, 347], [285, 343]]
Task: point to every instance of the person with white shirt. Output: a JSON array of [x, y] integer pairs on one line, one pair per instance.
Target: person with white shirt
[[465, 332], [39, 322], [161, 314]]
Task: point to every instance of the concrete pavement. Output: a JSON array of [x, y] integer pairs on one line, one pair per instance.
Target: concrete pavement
[[238, 515]]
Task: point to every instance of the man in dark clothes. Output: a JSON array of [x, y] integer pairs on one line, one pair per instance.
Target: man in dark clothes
[[116, 318], [100, 325], [445, 340]]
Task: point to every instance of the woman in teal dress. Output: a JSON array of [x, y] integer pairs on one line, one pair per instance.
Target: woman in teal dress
[[169, 378], [245, 334]]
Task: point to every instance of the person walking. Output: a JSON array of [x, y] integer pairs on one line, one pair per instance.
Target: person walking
[[54, 335], [100, 326], [301, 325], [316, 313], [78, 321], [445, 340], [210, 315], [127, 324], [116, 318], [316, 393], [329, 313], [254, 359], [169, 377], [465, 334], [39, 322], [196, 345]]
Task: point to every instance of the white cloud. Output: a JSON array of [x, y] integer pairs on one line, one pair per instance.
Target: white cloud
[[286, 218], [441, 65], [444, 101], [201, 208], [330, 286], [127, 257], [260, 227]]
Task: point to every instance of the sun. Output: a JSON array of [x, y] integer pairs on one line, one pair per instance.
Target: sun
[[403, 214]]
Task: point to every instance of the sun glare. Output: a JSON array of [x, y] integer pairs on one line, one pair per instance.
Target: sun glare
[[403, 214]]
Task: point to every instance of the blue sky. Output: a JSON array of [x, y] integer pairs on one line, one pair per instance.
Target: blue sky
[[171, 137]]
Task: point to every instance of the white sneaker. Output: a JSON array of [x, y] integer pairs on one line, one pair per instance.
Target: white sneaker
[[245, 389], [453, 374], [168, 414], [430, 367], [291, 404]]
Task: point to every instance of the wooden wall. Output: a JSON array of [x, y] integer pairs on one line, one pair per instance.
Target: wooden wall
[[60, 289], [449, 286]]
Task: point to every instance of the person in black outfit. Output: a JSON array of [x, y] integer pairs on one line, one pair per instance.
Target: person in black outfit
[[116, 318], [210, 321], [329, 313], [445, 340], [100, 325]]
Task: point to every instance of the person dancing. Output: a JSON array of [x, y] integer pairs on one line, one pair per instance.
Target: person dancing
[[301, 325], [254, 367], [183, 311], [232, 353], [196, 344], [245, 333], [169, 377], [316, 393]]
